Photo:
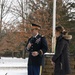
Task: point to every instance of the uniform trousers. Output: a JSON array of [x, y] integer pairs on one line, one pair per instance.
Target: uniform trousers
[[34, 70]]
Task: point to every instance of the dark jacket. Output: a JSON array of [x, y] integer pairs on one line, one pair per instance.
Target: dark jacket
[[38, 43], [61, 57]]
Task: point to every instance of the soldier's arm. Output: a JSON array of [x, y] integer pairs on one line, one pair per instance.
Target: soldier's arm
[[27, 44], [44, 46]]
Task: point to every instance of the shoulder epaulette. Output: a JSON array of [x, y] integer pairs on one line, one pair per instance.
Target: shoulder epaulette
[[42, 35]]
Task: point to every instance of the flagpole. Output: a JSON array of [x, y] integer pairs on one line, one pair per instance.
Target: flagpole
[[54, 26]]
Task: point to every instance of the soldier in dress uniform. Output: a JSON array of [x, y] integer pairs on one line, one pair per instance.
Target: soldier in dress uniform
[[36, 46]]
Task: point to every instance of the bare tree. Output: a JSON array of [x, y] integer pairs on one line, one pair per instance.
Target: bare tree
[[5, 6], [20, 10]]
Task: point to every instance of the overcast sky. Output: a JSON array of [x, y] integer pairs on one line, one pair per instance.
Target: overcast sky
[[10, 17]]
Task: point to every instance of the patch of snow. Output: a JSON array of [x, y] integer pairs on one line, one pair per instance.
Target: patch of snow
[[13, 66]]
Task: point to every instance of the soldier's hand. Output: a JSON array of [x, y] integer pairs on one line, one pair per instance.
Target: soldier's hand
[[29, 45], [35, 53]]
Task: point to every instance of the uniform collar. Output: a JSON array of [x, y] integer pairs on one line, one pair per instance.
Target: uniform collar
[[36, 35]]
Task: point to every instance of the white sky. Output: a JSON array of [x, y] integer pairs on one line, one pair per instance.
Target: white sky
[[10, 17]]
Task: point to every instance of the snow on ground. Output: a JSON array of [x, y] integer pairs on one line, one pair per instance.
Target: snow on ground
[[13, 66]]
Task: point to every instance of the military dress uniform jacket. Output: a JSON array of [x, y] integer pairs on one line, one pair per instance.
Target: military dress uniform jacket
[[38, 43]]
